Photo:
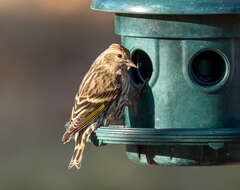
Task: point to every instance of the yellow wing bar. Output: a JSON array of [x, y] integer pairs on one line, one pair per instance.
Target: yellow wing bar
[[92, 115]]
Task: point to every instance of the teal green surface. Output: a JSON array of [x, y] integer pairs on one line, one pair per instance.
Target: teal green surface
[[180, 26], [172, 99], [168, 7], [180, 118]]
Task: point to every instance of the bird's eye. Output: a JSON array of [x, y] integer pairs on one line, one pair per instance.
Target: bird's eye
[[119, 55]]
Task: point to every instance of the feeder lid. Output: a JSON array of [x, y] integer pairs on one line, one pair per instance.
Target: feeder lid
[[168, 6]]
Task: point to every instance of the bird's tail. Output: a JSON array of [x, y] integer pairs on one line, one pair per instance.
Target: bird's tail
[[78, 151], [79, 147], [67, 136]]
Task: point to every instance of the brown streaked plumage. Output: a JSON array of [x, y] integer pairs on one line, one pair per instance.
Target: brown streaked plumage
[[101, 98]]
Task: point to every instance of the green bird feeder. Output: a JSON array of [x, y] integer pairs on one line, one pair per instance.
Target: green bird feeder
[[188, 51]]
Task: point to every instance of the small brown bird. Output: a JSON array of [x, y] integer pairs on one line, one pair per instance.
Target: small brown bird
[[101, 98]]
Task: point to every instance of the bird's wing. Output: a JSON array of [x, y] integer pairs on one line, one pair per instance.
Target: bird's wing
[[97, 90]]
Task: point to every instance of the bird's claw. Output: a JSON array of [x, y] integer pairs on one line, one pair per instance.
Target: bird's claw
[[128, 103]]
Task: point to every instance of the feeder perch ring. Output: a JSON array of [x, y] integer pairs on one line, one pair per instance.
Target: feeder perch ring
[[150, 136]]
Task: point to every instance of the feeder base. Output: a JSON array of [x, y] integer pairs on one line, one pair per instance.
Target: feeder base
[[180, 147]]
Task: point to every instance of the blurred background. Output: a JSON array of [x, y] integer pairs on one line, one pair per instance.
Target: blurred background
[[46, 47]]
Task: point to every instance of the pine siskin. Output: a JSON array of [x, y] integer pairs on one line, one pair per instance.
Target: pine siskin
[[101, 98]]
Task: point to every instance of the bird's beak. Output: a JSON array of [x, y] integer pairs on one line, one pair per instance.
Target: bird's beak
[[130, 63]]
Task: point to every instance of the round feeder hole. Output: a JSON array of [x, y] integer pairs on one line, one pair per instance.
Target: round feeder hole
[[208, 68], [144, 67]]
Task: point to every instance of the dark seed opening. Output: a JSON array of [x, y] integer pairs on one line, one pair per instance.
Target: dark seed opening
[[144, 67], [207, 68]]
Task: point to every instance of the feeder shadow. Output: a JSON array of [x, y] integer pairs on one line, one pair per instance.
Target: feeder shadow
[[142, 110], [179, 155], [142, 115]]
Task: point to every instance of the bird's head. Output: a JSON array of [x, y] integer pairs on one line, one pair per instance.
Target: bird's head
[[118, 56]]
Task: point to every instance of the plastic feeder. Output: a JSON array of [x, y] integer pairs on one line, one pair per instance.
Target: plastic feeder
[[189, 113]]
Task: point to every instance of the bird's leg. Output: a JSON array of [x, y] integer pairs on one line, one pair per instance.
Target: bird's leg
[[128, 102]]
